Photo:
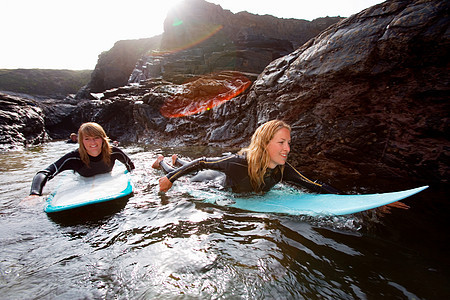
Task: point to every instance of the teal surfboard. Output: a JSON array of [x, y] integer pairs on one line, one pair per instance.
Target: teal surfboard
[[294, 202], [75, 191]]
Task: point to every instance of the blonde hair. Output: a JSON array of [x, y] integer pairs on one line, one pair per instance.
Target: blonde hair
[[92, 129], [258, 157]]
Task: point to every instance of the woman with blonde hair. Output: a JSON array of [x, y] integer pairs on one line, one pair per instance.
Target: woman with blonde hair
[[94, 156], [256, 168]]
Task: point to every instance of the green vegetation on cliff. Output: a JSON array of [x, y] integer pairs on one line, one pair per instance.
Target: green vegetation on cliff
[[45, 82]]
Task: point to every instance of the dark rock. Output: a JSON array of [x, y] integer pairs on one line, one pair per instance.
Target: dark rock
[[114, 67], [21, 122], [58, 116], [369, 96], [20, 111], [133, 113], [207, 39]]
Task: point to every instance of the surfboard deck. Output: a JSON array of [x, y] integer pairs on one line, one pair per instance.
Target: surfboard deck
[[294, 202], [75, 191]]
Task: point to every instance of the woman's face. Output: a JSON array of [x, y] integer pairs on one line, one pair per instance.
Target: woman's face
[[93, 145], [279, 147]]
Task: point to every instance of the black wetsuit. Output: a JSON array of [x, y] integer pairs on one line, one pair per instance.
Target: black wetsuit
[[235, 168], [72, 161]]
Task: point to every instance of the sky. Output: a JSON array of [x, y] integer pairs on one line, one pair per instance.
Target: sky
[[70, 34]]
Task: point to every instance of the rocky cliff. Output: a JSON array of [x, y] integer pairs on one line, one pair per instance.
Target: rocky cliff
[[114, 67], [199, 38]]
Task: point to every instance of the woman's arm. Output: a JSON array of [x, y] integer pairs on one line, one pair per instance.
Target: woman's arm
[[290, 174], [67, 162], [39, 181], [217, 163], [123, 158]]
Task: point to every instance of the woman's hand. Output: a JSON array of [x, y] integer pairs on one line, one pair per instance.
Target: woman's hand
[[386, 209], [398, 204], [164, 184], [30, 200]]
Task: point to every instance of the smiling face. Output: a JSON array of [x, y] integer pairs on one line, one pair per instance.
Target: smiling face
[[279, 147], [93, 145]]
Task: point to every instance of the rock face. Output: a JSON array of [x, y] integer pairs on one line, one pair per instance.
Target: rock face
[[21, 122], [60, 117], [114, 67], [369, 96], [200, 38]]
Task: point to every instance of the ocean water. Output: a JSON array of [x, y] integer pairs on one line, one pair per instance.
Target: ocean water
[[171, 246]]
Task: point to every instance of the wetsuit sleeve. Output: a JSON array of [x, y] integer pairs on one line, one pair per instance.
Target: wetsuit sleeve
[[123, 158], [39, 180], [67, 162], [291, 175], [218, 164]]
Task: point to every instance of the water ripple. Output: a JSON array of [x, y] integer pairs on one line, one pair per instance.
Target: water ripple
[[172, 246]]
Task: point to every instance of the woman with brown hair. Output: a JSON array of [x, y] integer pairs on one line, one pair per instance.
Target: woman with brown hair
[[94, 156], [256, 168]]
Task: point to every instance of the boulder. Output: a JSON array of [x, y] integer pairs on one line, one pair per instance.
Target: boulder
[[368, 96], [21, 122], [59, 116]]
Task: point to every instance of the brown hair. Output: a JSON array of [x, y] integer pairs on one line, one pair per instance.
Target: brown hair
[[258, 158], [92, 129]]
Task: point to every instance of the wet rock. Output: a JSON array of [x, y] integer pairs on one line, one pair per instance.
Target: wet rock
[[58, 116], [204, 93], [21, 122], [368, 96], [133, 113]]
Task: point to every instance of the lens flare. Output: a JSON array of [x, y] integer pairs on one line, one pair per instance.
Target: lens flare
[[179, 44]]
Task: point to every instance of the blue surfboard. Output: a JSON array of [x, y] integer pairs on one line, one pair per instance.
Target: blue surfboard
[[75, 191], [294, 202]]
